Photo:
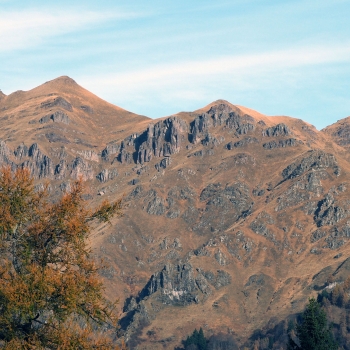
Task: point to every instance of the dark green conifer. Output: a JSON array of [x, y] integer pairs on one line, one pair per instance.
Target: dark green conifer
[[197, 338], [201, 341], [313, 332]]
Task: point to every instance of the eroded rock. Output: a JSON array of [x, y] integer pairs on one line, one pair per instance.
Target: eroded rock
[[59, 102], [277, 130], [56, 117], [313, 160], [282, 143]]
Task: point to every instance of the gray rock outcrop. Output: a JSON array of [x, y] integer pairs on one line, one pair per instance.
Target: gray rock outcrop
[[277, 130], [110, 150], [4, 154], [163, 164], [224, 206], [20, 152], [81, 168], [162, 139], [154, 203], [328, 213], [292, 142], [39, 165], [106, 175], [57, 102], [241, 143], [313, 160], [221, 114], [61, 169], [89, 155], [176, 283], [56, 117]]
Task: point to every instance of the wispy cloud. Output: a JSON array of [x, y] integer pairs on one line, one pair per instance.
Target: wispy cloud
[[19, 30], [225, 67]]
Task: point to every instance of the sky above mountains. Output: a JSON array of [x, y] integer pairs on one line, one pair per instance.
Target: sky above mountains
[[157, 58]]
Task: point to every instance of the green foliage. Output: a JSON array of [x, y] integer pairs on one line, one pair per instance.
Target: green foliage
[[197, 338], [313, 332]]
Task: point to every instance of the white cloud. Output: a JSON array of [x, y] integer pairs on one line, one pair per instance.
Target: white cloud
[[192, 74], [19, 30]]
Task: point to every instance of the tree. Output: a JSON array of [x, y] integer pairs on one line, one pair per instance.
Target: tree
[[196, 340], [313, 332], [50, 294], [201, 341]]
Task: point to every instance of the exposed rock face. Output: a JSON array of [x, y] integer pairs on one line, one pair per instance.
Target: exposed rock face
[[21, 151], [202, 284], [54, 137], [57, 102], [154, 203], [106, 175], [277, 130], [133, 182], [282, 143], [176, 284], [125, 157], [200, 126], [4, 154], [57, 117], [89, 155], [307, 186], [40, 165], [223, 279], [163, 164], [317, 235], [332, 238], [210, 140], [110, 150], [242, 143], [61, 170], [343, 135], [262, 225], [202, 153], [162, 139], [182, 285], [224, 205], [313, 160], [239, 246], [87, 109], [220, 115], [81, 168], [327, 213]]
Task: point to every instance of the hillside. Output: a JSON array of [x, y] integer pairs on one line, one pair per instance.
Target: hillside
[[232, 218]]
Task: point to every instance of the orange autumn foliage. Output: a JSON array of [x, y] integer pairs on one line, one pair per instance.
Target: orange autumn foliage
[[50, 294]]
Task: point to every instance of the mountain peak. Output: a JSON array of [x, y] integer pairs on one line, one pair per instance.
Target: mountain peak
[[226, 105], [64, 79]]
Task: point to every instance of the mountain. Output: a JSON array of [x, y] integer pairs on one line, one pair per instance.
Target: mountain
[[61, 111], [340, 132], [232, 219]]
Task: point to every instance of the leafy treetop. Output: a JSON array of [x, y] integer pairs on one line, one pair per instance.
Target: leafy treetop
[[50, 294]]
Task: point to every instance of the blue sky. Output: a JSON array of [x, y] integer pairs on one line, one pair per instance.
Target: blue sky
[[157, 58]]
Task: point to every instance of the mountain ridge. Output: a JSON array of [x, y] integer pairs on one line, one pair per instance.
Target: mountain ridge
[[228, 214]]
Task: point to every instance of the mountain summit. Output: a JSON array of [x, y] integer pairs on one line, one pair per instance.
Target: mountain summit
[[61, 109]]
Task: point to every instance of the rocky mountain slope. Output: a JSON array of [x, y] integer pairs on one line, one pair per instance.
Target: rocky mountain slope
[[232, 218]]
